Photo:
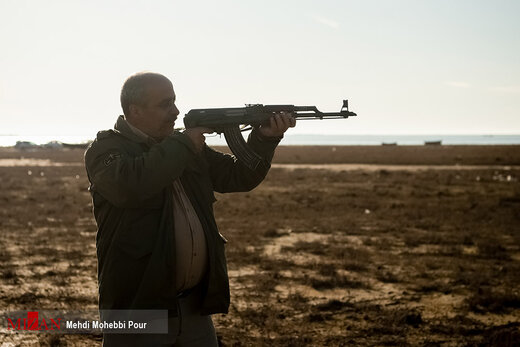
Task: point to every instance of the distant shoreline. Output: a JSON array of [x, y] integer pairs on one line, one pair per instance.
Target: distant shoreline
[[302, 139], [455, 155]]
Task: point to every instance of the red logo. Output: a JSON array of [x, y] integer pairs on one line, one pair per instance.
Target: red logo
[[32, 322]]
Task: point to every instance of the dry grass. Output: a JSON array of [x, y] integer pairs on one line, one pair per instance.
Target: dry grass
[[316, 257]]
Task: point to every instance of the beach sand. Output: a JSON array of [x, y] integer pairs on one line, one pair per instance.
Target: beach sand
[[344, 245]]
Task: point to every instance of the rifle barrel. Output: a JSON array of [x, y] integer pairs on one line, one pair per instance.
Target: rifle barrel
[[324, 115]]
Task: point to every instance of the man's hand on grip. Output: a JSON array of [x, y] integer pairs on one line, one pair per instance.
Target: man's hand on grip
[[196, 136]]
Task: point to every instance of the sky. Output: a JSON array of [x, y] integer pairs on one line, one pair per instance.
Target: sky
[[406, 66]]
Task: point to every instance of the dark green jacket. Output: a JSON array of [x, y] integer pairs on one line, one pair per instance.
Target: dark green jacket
[[131, 186]]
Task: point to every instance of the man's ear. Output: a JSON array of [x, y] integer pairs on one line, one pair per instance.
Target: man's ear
[[134, 111]]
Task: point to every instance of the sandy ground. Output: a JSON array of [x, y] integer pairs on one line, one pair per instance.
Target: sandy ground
[[340, 246]]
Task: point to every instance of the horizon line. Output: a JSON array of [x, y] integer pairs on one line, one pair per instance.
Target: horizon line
[[324, 134]]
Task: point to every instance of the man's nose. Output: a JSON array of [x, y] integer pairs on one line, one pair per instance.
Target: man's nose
[[175, 110]]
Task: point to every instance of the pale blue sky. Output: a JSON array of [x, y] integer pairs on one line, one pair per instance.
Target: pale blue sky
[[407, 66]]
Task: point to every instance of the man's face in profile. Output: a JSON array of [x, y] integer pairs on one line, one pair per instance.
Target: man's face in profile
[[158, 112]]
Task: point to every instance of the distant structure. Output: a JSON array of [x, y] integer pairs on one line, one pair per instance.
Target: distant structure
[[432, 143], [25, 145], [53, 145]]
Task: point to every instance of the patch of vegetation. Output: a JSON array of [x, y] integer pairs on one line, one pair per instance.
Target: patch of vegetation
[[495, 301], [457, 326], [507, 335], [394, 322], [492, 249], [387, 277], [334, 305], [8, 274], [338, 281]]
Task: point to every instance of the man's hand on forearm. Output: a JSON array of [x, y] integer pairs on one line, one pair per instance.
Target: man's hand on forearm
[[278, 125]]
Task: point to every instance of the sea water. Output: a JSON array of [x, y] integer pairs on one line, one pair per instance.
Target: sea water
[[300, 139]]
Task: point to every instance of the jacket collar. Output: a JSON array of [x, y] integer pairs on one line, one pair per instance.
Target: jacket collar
[[132, 133]]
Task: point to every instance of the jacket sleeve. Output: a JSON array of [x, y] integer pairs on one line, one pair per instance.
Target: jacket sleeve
[[127, 180], [228, 174]]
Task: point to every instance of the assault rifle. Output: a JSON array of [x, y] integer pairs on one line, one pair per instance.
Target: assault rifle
[[232, 121]]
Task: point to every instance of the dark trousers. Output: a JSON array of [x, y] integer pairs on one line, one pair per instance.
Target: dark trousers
[[190, 328]]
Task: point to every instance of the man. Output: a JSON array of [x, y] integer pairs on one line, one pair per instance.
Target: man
[[158, 245]]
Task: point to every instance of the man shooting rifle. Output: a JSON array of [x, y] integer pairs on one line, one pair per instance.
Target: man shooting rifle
[[158, 245]]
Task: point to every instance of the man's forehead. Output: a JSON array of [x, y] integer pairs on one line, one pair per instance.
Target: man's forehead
[[159, 88]]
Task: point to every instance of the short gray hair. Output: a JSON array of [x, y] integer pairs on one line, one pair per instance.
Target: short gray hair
[[133, 90]]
